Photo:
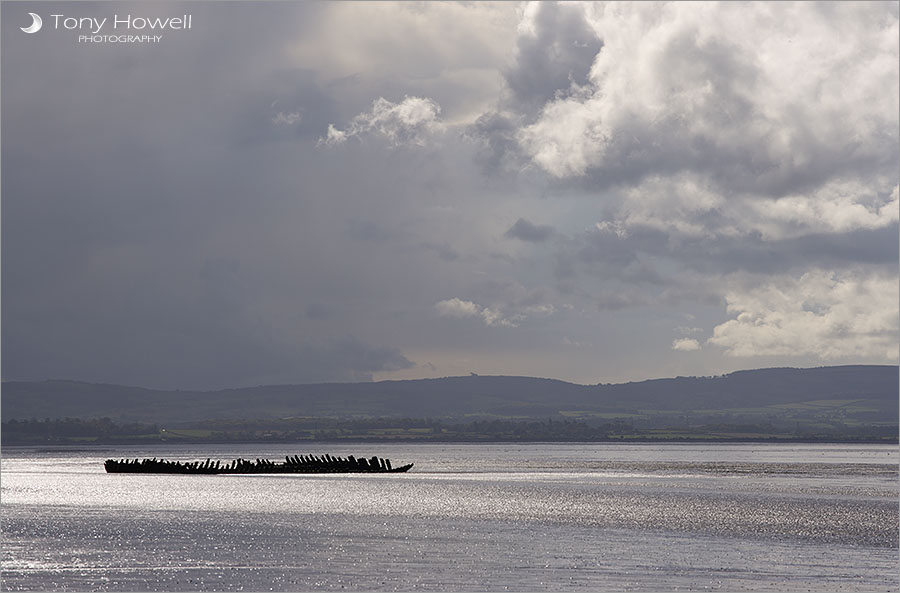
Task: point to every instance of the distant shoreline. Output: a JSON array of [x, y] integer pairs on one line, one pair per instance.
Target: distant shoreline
[[72, 447]]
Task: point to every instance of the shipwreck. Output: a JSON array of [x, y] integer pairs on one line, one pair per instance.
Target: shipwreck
[[296, 464]]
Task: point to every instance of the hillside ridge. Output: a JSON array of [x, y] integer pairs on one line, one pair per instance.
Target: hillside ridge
[[871, 388]]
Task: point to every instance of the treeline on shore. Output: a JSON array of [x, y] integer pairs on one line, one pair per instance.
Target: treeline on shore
[[53, 429], [104, 430]]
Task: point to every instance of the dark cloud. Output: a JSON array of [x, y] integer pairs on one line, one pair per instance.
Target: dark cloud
[[554, 53], [318, 311], [500, 147], [553, 56], [147, 204], [443, 250], [366, 230], [170, 218], [349, 359], [526, 231], [877, 248], [649, 266]]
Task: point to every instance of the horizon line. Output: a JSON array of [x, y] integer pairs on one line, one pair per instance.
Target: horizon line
[[469, 376]]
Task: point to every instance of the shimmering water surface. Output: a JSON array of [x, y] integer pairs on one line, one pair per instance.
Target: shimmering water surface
[[467, 517]]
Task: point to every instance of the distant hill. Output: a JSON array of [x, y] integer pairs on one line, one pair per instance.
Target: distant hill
[[858, 393]]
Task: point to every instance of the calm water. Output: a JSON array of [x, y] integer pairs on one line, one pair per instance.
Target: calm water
[[467, 517]]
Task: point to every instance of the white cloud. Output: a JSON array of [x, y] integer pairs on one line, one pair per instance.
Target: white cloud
[[539, 310], [457, 308], [615, 226], [495, 317], [826, 314], [725, 119], [839, 206], [685, 344], [686, 330], [411, 121], [333, 136], [679, 204], [689, 205], [287, 119], [491, 316], [688, 81]]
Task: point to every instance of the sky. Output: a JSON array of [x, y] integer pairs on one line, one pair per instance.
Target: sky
[[312, 192]]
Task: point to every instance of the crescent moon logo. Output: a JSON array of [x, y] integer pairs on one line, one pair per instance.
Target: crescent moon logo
[[35, 25]]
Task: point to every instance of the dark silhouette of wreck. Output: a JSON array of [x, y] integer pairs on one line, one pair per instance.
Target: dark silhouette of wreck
[[297, 464]]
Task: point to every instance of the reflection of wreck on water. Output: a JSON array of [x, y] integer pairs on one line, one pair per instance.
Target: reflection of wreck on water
[[297, 464]]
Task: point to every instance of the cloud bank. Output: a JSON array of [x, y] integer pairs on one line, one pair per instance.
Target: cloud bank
[[379, 190]]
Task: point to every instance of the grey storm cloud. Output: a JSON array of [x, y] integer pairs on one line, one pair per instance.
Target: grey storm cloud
[[374, 190], [138, 210]]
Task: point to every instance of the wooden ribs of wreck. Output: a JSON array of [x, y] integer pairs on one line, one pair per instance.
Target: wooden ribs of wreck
[[296, 464]]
